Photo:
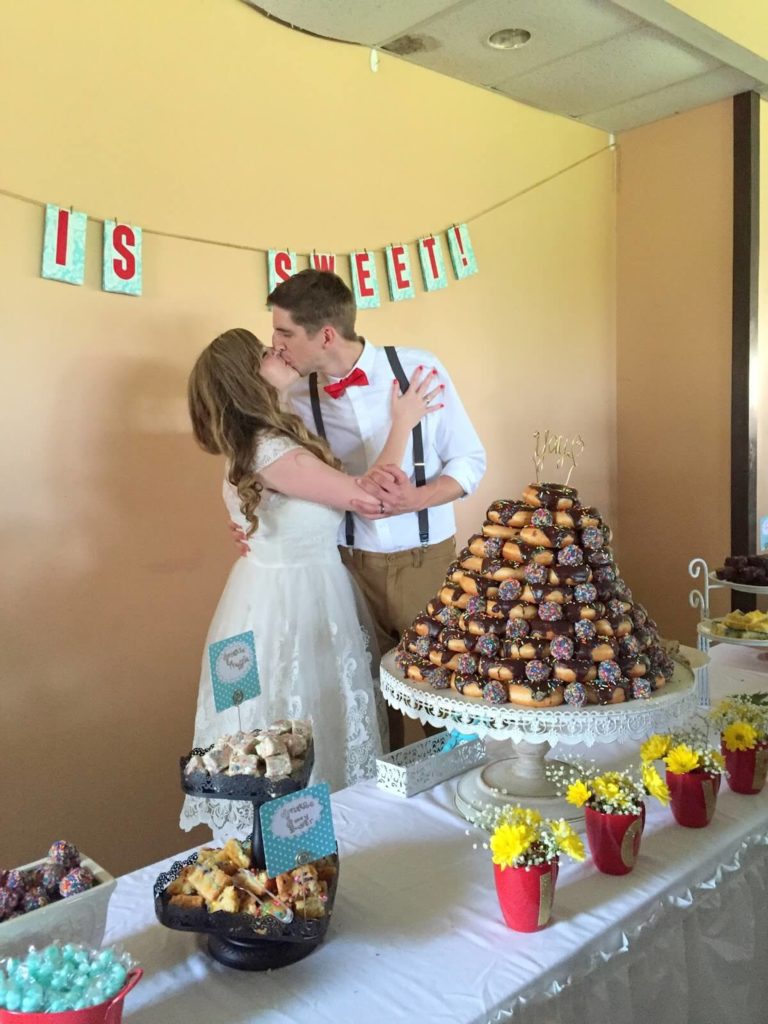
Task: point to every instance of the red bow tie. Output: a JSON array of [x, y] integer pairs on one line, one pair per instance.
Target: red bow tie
[[355, 379]]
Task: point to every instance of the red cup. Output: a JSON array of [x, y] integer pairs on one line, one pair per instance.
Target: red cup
[[526, 894], [746, 769], [110, 1012], [614, 840], [693, 796]]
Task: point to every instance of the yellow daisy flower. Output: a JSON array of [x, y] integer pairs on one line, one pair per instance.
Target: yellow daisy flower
[[573, 846], [509, 842], [605, 789], [654, 748], [681, 759], [578, 793], [655, 785], [740, 736]]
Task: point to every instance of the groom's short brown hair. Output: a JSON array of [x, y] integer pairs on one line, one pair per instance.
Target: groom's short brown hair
[[315, 298]]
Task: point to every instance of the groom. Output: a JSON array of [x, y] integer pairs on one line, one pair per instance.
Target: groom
[[398, 559]]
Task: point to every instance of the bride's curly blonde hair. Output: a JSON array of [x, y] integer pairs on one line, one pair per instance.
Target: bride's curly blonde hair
[[232, 408]]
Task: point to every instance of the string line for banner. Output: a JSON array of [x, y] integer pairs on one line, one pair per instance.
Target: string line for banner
[[255, 248]]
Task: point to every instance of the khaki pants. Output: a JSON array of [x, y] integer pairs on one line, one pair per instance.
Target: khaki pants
[[396, 587]]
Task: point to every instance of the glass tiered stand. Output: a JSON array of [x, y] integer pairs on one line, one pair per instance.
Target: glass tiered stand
[[518, 776], [241, 940], [700, 599]]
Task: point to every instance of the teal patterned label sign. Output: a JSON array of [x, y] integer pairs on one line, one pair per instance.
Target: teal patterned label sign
[[64, 245], [281, 264], [365, 284], [234, 671], [399, 273], [432, 263], [122, 258], [297, 829], [462, 253]]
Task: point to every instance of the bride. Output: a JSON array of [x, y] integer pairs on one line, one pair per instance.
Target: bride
[[284, 488]]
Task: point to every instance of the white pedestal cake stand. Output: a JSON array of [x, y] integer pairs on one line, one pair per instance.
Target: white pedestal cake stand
[[519, 777]]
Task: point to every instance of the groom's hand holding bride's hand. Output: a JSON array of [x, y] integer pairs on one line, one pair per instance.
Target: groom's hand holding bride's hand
[[393, 491]]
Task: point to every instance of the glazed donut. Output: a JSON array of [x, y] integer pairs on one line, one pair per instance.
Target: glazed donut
[[469, 686], [587, 517], [573, 611], [534, 594], [444, 659], [485, 547], [457, 640], [527, 650], [454, 597], [575, 671], [479, 624], [603, 650], [549, 630], [571, 576], [515, 551], [522, 611], [501, 670], [497, 530], [506, 512], [426, 626], [523, 694], [474, 584], [605, 694], [546, 537], [633, 668], [490, 569], [549, 496]]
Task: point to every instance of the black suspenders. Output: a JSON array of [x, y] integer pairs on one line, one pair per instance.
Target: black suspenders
[[418, 446]]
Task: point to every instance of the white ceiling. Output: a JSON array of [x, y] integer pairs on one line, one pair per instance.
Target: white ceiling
[[613, 64]]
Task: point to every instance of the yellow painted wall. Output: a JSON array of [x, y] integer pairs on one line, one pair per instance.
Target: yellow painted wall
[[762, 324], [743, 21], [204, 119], [674, 224]]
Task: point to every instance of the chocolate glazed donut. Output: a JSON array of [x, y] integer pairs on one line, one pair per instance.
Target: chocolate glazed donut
[[549, 496]]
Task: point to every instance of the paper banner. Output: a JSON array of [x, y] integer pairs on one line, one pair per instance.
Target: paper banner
[[432, 263], [323, 261], [234, 672], [365, 284], [462, 253], [399, 273], [121, 271], [297, 829], [64, 245], [281, 264]]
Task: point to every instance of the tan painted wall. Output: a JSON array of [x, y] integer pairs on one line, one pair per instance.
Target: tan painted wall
[[762, 322], [674, 356], [744, 21], [207, 120]]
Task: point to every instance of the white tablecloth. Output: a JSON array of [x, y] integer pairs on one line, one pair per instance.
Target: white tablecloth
[[417, 934]]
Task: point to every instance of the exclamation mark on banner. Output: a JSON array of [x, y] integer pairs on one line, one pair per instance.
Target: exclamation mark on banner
[[462, 254]]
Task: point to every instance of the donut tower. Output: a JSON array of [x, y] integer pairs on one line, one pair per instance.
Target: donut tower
[[534, 612]]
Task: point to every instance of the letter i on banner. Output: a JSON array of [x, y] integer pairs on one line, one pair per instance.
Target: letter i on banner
[[281, 264], [64, 245], [323, 261], [122, 258], [462, 253], [432, 263], [399, 273], [365, 284]]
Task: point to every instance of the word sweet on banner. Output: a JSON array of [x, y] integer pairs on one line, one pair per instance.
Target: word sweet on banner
[[234, 671], [64, 251], [282, 264], [297, 829]]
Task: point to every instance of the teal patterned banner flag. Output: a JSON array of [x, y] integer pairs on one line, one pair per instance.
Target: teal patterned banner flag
[[462, 253], [64, 245], [432, 263], [399, 273], [122, 258], [281, 264], [365, 284]]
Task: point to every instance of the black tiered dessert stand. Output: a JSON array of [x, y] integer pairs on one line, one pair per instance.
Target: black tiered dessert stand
[[243, 941]]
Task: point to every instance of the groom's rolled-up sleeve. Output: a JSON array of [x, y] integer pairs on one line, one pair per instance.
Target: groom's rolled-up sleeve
[[456, 441]]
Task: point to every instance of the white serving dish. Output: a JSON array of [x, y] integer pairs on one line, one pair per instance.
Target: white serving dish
[[704, 628], [745, 588], [425, 764], [78, 919]]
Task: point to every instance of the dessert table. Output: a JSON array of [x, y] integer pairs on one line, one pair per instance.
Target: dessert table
[[417, 934]]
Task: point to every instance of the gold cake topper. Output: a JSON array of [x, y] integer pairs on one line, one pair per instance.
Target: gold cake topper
[[565, 449]]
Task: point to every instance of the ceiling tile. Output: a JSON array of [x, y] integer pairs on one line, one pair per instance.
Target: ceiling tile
[[694, 92], [357, 21], [610, 73], [557, 27]]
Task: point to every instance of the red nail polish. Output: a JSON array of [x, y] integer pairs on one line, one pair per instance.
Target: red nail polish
[[434, 371], [419, 367], [442, 387]]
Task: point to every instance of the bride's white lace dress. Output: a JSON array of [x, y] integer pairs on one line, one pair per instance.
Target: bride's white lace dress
[[312, 651]]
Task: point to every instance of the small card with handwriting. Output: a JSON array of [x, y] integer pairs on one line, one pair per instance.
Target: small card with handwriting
[[297, 829], [234, 671]]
